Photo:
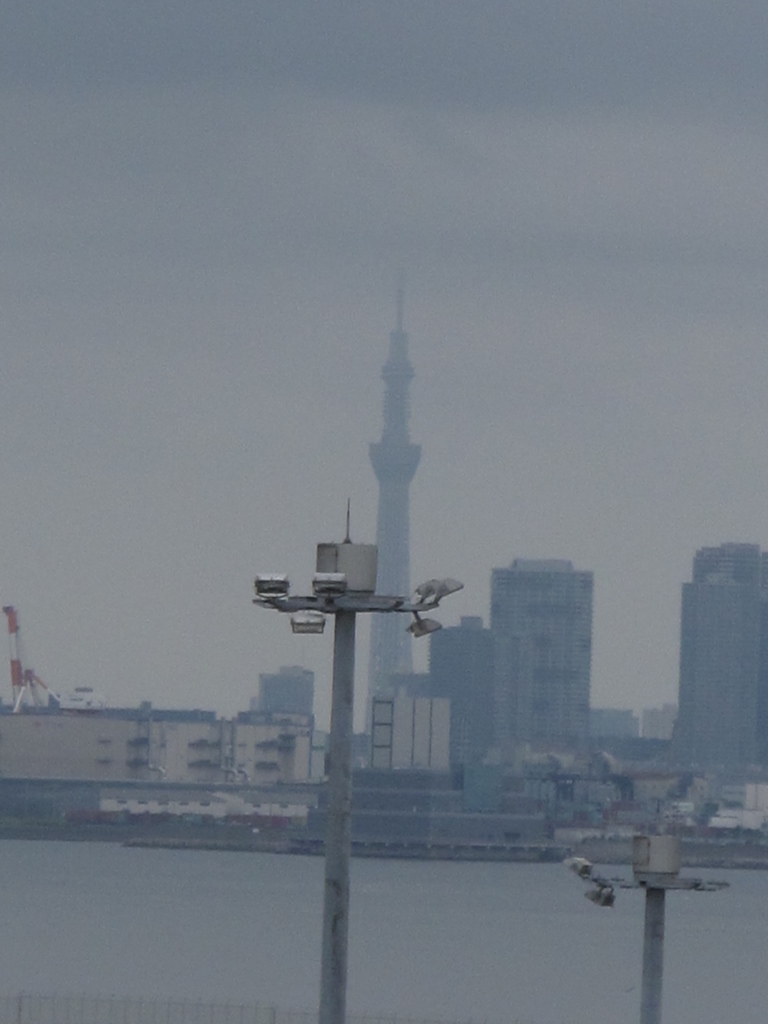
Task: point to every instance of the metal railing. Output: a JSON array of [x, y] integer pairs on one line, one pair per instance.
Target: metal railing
[[27, 1008], [88, 1009]]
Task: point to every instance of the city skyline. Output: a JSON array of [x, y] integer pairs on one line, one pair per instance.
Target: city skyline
[[206, 214]]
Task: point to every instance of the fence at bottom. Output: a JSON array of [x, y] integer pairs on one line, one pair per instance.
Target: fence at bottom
[[27, 1008]]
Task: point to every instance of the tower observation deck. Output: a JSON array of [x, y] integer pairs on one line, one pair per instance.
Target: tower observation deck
[[394, 460]]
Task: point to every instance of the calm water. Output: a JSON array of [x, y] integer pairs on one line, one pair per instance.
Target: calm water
[[459, 941]]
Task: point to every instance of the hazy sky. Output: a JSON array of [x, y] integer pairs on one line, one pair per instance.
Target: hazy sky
[[205, 207]]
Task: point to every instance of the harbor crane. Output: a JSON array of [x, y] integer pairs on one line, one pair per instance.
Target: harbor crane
[[25, 683]]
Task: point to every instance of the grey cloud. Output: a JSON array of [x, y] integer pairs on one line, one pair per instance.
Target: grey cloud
[[209, 176], [482, 55]]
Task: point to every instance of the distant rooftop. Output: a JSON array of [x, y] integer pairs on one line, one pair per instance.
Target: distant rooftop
[[542, 565]]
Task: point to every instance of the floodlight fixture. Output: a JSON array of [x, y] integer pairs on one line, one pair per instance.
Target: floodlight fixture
[[580, 866], [329, 583], [602, 895], [271, 584], [422, 627], [308, 622], [433, 591]]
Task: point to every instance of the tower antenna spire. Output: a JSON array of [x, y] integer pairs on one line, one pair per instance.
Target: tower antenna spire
[[400, 301]]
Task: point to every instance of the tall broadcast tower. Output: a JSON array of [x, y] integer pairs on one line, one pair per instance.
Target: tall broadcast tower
[[394, 461]]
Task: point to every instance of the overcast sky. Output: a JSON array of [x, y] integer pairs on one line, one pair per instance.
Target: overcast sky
[[205, 208]]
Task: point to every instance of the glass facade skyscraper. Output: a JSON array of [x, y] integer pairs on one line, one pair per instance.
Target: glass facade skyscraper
[[541, 620], [723, 665]]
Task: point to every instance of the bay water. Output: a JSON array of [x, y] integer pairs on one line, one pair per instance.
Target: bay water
[[445, 940]]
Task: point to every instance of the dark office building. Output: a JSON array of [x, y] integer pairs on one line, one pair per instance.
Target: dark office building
[[541, 621], [461, 668], [724, 659], [613, 722], [291, 690]]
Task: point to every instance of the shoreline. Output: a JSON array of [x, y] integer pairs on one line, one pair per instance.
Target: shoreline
[[243, 839], [724, 854]]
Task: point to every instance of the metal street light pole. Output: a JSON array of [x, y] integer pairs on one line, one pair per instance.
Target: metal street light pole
[[653, 956], [333, 968], [344, 584], [656, 868]]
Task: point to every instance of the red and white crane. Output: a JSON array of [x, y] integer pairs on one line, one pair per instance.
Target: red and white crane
[[25, 682]]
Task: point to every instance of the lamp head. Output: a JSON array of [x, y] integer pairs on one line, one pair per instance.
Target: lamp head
[[422, 627], [329, 583], [271, 584], [308, 622], [433, 591]]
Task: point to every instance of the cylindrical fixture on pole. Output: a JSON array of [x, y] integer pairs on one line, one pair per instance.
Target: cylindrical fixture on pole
[[653, 957], [333, 976]]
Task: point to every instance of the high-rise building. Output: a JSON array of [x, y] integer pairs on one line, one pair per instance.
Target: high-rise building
[[290, 690], [659, 723], [394, 461], [541, 621], [723, 644], [613, 723], [461, 668]]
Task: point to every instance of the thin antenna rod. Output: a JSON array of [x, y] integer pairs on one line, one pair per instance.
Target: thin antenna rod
[[348, 539], [400, 302]]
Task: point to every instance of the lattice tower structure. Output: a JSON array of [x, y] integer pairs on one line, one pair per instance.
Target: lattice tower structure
[[394, 460]]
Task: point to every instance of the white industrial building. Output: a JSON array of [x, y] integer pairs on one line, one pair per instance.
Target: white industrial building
[[150, 745], [411, 732], [217, 805], [751, 814]]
